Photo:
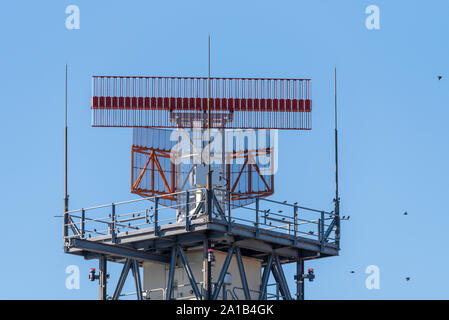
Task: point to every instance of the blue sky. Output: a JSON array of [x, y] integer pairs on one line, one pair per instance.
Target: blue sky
[[393, 126]]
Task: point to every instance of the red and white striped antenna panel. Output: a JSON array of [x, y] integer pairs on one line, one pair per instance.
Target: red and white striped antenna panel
[[182, 102]]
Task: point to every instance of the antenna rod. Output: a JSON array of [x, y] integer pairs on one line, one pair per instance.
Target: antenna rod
[[209, 172], [66, 198], [336, 139], [337, 198], [208, 97], [207, 275]]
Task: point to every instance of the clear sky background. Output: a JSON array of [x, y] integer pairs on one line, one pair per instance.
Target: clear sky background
[[393, 126]]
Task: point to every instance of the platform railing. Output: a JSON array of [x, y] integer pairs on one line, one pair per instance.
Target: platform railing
[[292, 219], [122, 218]]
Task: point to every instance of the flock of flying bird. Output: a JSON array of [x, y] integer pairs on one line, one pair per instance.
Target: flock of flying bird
[[405, 214], [439, 77]]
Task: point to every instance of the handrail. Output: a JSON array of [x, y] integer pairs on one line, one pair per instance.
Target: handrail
[[122, 217]]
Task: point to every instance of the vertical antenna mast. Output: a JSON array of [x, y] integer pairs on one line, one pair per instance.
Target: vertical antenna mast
[[208, 99], [337, 198], [209, 172], [66, 197], [336, 138], [207, 275], [65, 228]]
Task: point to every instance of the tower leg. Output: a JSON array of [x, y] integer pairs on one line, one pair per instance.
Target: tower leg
[[137, 281], [122, 279], [207, 277], [299, 279], [265, 276], [171, 274], [102, 278], [189, 273], [279, 276]]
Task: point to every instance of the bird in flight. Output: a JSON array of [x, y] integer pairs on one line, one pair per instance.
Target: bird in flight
[[405, 213], [407, 278], [440, 77]]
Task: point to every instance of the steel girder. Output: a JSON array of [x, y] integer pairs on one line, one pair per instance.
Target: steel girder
[[189, 273], [115, 250], [132, 265]]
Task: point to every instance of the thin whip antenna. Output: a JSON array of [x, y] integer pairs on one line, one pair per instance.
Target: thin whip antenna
[[337, 197], [336, 138], [66, 196], [206, 244], [209, 172], [208, 96]]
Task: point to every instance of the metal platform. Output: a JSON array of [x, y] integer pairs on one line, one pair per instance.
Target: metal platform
[[143, 230]]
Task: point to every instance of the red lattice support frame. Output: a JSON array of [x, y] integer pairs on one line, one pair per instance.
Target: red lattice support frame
[[182, 102], [154, 173]]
